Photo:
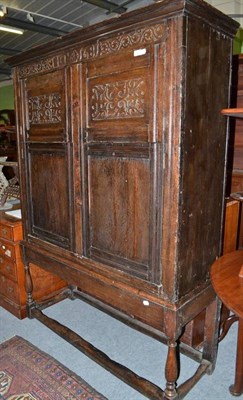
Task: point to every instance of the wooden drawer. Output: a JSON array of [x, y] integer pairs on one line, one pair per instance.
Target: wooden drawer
[[6, 232], [12, 274], [11, 232], [8, 269], [9, 250], [9, 288]]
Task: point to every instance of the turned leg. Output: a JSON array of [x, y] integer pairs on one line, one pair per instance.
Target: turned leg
[[171, 371], [237, 388], [29, 289]]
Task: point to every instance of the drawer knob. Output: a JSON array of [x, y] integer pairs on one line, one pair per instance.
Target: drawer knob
[[8, 252]]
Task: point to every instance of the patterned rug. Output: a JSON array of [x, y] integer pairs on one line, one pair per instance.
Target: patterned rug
[[27, 373]]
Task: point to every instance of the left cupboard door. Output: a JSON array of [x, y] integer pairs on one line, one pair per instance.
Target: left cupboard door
[[47, 143]]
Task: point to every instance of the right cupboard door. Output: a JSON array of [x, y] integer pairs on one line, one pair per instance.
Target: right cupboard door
[[122, 185]]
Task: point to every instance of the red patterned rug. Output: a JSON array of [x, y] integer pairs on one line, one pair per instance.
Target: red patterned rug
[[27, 373]]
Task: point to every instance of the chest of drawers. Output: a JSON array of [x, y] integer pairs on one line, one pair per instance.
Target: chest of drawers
[[12, 283]]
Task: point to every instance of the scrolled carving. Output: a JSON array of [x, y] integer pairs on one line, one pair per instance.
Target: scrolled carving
[[45, 109], [121, 41], [96, 49], [122, 99], [44, 65]]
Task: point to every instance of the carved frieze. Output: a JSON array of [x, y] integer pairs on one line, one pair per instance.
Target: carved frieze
[[44, 65], [98, 48], [137, 37], [45, 109], [122, 99]]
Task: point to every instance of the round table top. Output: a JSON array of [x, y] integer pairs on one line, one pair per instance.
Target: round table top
[[226, 281]]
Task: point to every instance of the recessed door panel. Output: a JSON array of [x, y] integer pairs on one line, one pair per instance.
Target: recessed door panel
[[119, 211], [48, 182]]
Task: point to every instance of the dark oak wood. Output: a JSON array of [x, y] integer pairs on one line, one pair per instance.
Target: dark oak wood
[[122, 168], [229, 287]]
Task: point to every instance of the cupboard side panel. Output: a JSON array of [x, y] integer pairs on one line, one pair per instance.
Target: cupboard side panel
[[203, 155]]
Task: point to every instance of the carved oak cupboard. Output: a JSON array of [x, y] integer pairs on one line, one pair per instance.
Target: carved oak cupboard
[[122, 154]]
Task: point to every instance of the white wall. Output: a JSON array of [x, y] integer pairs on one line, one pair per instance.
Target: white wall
[[229, 7]]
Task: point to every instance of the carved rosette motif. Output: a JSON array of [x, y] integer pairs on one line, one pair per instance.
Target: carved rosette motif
[[45, 109], [121, 41], [122, 99], [44, 65]]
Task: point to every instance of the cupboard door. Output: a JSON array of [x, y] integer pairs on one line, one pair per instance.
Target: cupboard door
[[121, 177], [47, 145]]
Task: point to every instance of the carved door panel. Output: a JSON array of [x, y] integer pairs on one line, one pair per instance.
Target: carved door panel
[[46, 107], [121, 177], [48, 154], [119, 91]]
